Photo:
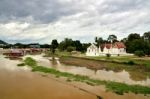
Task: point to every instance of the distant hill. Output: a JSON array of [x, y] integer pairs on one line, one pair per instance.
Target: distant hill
[[2, 42]]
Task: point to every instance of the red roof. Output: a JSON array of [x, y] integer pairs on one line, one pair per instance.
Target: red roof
[[119, 45], [108, 46], [115, 45]]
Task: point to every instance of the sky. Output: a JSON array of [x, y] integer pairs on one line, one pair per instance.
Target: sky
[[40, 21]]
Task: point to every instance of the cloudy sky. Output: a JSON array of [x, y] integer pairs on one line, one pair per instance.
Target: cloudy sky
[[29, 21]]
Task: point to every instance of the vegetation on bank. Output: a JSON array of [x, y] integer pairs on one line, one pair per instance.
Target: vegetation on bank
[[137, 70], [116, 87]]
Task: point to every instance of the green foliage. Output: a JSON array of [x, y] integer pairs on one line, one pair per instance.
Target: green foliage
[[112, 38], [54, 45], [147, 36], [116, 87], [139, 53], [108, 55], [135, 42], [119, 88], [69, 44], [30, 62], [21, 64], [98, 41], [131, 62], [70, 48]]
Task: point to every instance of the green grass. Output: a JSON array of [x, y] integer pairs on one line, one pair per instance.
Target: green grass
[[116, 87], [138, 72], [119, 88], [57, 53], [21, 64], [30, 62], [124, 59]]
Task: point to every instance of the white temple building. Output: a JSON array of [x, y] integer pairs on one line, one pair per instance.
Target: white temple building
[[118, 48], [92, 50]]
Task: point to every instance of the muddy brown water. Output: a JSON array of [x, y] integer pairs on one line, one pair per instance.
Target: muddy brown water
[[122, 76], [21, 83]]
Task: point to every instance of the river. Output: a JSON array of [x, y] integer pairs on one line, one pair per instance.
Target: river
[[20, 83]]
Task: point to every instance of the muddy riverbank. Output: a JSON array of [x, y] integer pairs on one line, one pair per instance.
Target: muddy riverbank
[[137, 72], [21, 83], [102, 74]]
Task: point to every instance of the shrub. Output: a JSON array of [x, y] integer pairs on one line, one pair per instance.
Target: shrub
[[21, 64], [70, 48], [139, 53], [131, 62], [30, 62], [108, 55]]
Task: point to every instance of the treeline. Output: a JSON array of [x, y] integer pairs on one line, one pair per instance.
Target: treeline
[[139, 45], [69, 45]]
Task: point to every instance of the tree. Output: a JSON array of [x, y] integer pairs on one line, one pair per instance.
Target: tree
[[133, 36], [139, 53], [45, 46], [133, 42], [77, 45], [99, 40], [70, 48], [65, 43], [54, 45], [112, 38], [147, 36]]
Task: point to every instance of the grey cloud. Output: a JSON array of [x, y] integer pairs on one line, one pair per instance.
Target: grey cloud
[[81, 18], [40, 10]]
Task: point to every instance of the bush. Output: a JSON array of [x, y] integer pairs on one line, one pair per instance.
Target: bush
[[30, 62], [139, 53], [70, 48], [131, 62], [108, 55], [21, 64]]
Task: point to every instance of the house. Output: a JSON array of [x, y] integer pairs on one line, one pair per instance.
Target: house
[[117, 48], [14, 53], [92, 50]]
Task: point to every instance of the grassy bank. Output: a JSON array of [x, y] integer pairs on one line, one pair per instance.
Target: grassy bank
[[116, 87], [143, 61], [137, 72]]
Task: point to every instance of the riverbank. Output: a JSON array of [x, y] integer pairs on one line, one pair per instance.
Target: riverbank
[[119, 88], [20, 82], [137, 72]]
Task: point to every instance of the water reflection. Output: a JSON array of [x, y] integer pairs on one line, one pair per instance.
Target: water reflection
[[122, 76]]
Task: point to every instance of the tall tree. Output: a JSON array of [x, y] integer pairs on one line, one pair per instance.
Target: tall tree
[[65, 43], [134, 36], [147, 36], [112, 38], [99, 40], [77, 45], [54, 45]]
